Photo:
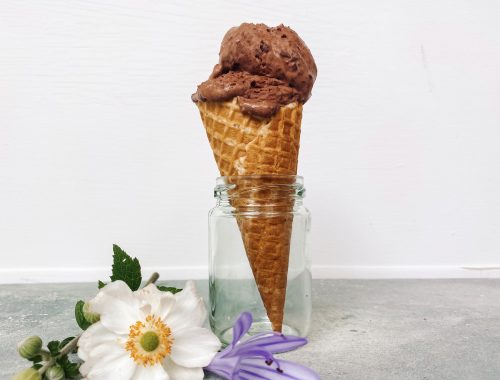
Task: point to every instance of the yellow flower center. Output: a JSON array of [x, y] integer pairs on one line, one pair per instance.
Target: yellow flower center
[[149, 342]]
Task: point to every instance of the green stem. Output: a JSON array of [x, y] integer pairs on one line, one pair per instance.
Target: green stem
[[47, 365], [154, 277], [70, 346]]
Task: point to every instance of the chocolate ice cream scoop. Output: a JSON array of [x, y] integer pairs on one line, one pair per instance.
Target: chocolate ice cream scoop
[[265, 68], [257, 95]]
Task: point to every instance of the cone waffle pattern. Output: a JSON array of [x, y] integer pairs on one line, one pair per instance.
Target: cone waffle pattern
[[243, 145]]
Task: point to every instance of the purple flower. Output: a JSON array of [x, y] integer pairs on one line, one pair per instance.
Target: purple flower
[[253, 358]]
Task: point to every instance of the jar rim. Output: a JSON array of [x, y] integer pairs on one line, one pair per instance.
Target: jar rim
[[226, 184], [287, 178]]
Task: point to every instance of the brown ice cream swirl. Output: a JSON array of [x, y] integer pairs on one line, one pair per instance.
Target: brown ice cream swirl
[[264, 68]]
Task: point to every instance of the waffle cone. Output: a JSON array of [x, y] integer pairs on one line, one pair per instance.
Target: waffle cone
[[243, 145]]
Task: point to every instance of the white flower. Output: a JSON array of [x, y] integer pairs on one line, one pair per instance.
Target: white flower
[[147, 335]]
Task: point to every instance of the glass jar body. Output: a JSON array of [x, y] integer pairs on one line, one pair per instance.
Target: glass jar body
[[232, 282]]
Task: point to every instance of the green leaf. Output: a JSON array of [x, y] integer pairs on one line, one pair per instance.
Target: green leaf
[[169, 289], [80, 318], [101, 284], [126, 269], [71, 370], [62, 360], [53, 347], [37, 366], [36, 359]]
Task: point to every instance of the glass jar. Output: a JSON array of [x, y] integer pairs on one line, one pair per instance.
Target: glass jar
[[258, 260]]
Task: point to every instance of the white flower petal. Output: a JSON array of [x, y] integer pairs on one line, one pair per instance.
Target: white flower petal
[[177, 372], [160, 303], [189, 309], [167, 303], [103, 350], [85, 368], [118, 307], [194, 347], [149, 295], [94, 336], [108, 363], [150, 373], [117, 289]]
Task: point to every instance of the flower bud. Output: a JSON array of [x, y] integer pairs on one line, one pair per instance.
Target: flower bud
[[30, 347], [89, 315], [28, 374], [55, 373]]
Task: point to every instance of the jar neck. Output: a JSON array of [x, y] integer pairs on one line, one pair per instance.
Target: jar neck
[[260, 192]]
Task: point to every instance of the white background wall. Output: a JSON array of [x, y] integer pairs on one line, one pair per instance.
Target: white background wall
[[100, 143]]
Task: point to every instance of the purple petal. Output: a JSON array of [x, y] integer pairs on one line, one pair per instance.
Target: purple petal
[[274, 342], [224, 367], [253, 358], [257, 369], [253, 352], [241, 326]]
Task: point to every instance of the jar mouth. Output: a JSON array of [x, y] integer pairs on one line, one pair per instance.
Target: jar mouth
[[237, 185], [284, 179]]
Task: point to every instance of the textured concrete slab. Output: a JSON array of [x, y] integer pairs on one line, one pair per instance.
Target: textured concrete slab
[[398, 329]]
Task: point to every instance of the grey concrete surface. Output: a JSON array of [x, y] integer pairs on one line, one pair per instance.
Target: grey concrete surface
[[398, 329]]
